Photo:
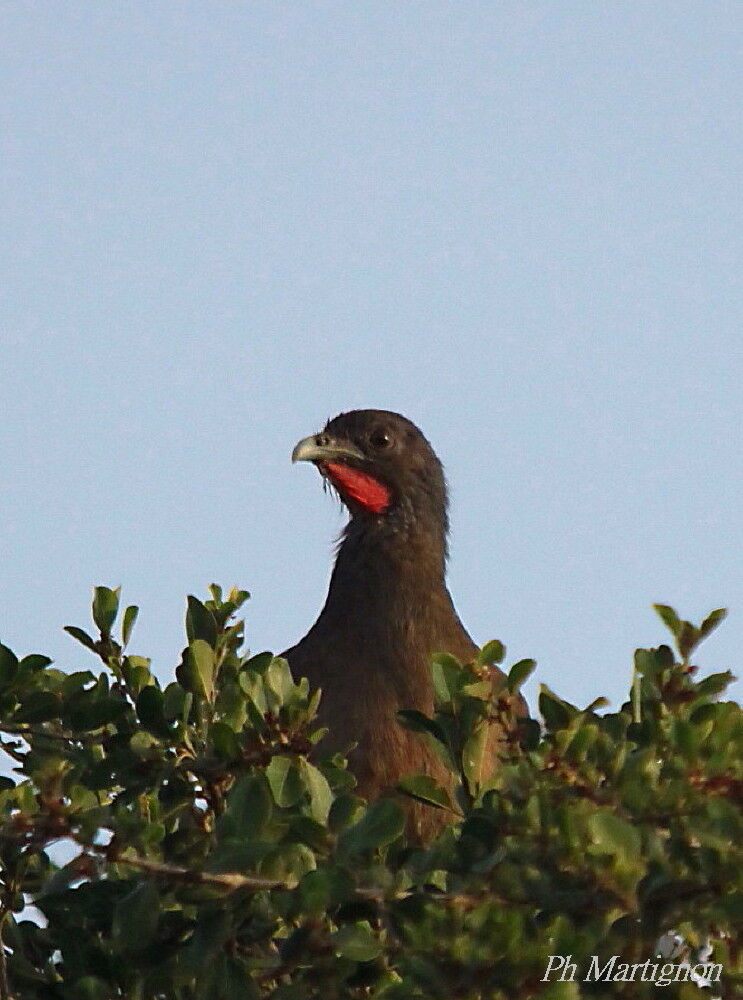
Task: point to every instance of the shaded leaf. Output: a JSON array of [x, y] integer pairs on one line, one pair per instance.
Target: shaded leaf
[[357, 942], [136, 917], [200, 622], [383, 822], [8, 665]]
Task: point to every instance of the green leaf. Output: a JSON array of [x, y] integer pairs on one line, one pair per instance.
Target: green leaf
[[249, 808], [472, 757], [710, 623], [238, 597], [612, 835], [417, 722], [130, 616], [136, 673], [669, 618], [81, 635], [89, 988], [492, 652], [279, 680], [105, 608], [200, 622], [204, 662], [142, 744], [346, 810], [715, 683], [176, 702], [424, 788], [34, 662], [135, 918], [357, 942], [260, 662], [519, 672], [448, 677], [687, 639], [150, 709], [224, 740], [555, 712], [8, 666], [286, 784], [38, 706], [317, 785], [383, 822]]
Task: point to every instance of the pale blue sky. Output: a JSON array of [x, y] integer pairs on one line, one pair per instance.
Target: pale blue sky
[[517, 223]]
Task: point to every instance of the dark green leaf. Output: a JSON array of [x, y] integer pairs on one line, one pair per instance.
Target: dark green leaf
[[519, 672], [105, 608], [555, 712], [39, 706], [420, 723], [150, 709], [81, 635], [710, 623], [8, 666], [136, 918], [260, 662], [448, 677], [176, 702], [345, 810], [249, 808], [34, 662], [224, 740], [130, 616], [200, 622]]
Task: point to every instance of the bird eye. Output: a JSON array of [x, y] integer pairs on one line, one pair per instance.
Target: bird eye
[[380, 439]]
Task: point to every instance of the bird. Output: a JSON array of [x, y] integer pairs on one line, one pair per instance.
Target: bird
[[388, 608]]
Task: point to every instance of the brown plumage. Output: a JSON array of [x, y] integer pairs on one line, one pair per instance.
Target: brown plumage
[[388, 608]]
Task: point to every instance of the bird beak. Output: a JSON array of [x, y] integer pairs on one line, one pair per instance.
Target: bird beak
[[320, 448]]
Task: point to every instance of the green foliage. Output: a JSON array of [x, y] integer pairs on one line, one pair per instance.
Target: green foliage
[[213, 852]]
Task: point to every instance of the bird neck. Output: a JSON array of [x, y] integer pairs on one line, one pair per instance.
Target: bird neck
[[387, 564]]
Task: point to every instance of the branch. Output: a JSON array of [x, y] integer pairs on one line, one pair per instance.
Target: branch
[[230, 881]]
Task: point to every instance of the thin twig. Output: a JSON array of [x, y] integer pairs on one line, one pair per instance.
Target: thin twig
[[27, 730], [231, 881]]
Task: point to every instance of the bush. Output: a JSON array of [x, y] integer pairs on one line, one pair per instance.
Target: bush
[[212, 852]]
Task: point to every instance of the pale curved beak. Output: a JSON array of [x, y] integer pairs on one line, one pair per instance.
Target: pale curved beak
[[321, 448]]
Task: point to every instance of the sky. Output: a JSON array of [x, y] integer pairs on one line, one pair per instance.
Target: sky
[[517, 223]]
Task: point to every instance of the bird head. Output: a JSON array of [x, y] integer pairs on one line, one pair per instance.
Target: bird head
[[382, 467]]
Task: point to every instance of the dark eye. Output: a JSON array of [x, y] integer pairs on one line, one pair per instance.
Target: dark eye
[[380, 439]]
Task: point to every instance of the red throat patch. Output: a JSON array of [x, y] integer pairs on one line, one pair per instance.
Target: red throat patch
[[359, 486]]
